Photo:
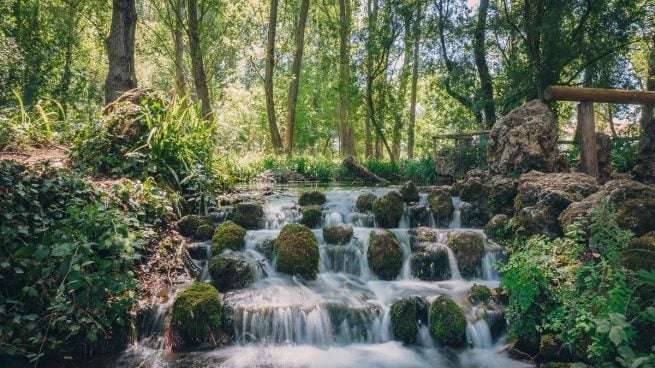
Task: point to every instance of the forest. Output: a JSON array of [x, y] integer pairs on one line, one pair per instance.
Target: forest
[[327, 183]]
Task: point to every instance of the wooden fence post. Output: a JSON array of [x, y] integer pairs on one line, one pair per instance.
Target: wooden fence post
[[587, 130]]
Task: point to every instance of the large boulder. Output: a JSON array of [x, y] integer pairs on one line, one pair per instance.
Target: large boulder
[[468, 247], [420, 237], [637, 215], [473, 215], [296, 251], [311, 216], [311, 198], [479, 294], [447, 322], [230, 271], [431, 263], [365, 201], [228, 235], [501, 194], [196, 314], [472, 188], [406, 314], [441, 205], [388, 209], [523, 140], [409, 192], [249, 215], [337, 234], [385, 257]]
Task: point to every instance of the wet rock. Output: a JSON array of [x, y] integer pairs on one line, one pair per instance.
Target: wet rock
[[468, 248], [365, 202], [406, 314], [249, 215], [479, 294], [228, 235], [421, 236], [311, 198], [266, 248], [473, 215], [523, 140], [388, 209], [204, 232], [419, 215], [296, 251], [409, 192], [337, 234], [311, 216], [385, 257], [188, 225], [431, 264], [196, 313], [230, 271], [198, 251], [448, 323], [499, 229], [441, 205]]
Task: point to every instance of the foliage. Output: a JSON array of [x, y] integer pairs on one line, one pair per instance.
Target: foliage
[[624, 153]]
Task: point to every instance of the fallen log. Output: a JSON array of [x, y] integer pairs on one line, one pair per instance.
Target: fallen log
[[361, 172]]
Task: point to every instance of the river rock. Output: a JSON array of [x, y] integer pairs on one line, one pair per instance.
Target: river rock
[[448, 323], [431, 264], [523, 140], [266, 248], [228, 235], [385, 257], [311, 216], [249, 215], [409, 192], [419, 215], [337, 234], [296, 251], [388, 209], [311, 198], [365, 201], [468, 247], [473, 215], [421, 236], [196, 313], [406, 315], [230, 271], [479, 294], [441, 205]]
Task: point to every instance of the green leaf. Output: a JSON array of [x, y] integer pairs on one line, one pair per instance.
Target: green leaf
[[615, 335], [25, 251]]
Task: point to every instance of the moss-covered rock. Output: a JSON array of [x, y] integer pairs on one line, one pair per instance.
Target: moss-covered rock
[[196, 314], [228, 235], [409, 192], [499, 228], [248, 215], [365, 201], [230, 271], [441, 205], [479, 294], [421, 236], [639, 253], [404, 320], [311, 198], [311, 216], [430, 264], [448, 323], [337, 234], [204, 232], [419, 215], [188, 225], [637, 215], [385, 257], [296, 251], [388, 209], [266, 248], [468, 247]]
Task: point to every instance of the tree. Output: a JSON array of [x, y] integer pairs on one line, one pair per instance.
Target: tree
[[479, 50], [197, 64], [346, 129], [178, 42], [415, 65], [276, 139], [120, 50]]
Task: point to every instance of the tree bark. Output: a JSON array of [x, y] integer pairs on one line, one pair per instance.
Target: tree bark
[[645, 167], [276, 139], [295, 78], [197, 65], [178, 39], [399, 113], [412, 109], [481, 63], [120, 50], [346, 130]]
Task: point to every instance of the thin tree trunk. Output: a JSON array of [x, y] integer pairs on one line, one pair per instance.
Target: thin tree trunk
[[178, 39], [295, 78], [399, 113], [276, 139], [412, 109], [120, 50], [481, 63], [346, 130], [197, 65], [610, 119], [645, 167]]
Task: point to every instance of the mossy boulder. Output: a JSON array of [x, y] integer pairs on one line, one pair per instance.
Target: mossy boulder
[[448, 323], [639, 253], [189, 224], [311, 198], [441, 205], [204, 232], [249, 215], [404, 320], [296, 251], [637, 215], [468, 248], [337, 234], [479, 294], [228, 235], [499, 228], [196, 314], [311, 216], [409, 192], [365, 201], [385, 257], [230, 271], [388, 209], [430, 264]]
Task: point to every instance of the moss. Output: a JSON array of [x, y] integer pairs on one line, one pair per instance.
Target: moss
[[469, 251], [479, 294], [388, 209], [204, 232], [637, 215], [365, 202], [311, 216], [311, 198], [188, 225], [337, 234], [196, 314], [404, 318], [409, 192], [248, 215], [448, 323], [230, 271], [441, 205], [228, 235], [296, 251], [385, 258], [639, 253], [499, 229]]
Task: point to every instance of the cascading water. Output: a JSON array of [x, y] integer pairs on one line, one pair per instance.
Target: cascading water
[[342, 319]]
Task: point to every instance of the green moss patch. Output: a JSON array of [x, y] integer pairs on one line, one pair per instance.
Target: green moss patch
[[196, 314], [296, 251], [228, 235], [388, 209], [448, 323], [385, 257]]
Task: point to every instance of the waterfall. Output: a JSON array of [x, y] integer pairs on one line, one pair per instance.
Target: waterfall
[[456, 221]]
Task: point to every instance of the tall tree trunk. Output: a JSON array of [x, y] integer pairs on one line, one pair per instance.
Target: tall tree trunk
[[120, 49], [645, 168], [412, 109], [197, 65], [346, 130], [372, 12], [481, 63], [67, 75], [295, 78], [178, 39], [276, 139], [401, 99]]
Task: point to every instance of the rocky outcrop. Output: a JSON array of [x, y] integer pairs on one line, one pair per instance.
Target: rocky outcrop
[[639, 253], [523, 140], [499, 228], [431, 263], [473, 215], [419, 215], [468, 247]]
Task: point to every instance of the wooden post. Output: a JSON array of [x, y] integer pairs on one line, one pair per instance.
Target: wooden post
[[587, 129]]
